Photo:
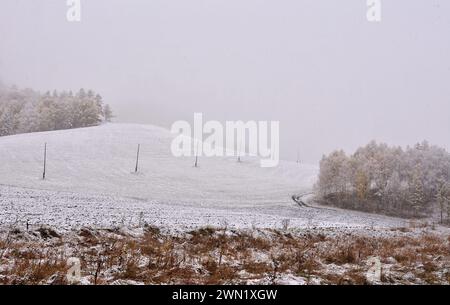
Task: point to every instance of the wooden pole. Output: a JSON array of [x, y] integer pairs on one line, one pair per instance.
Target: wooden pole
[[196, 157], [239, 151], [45, 161], [137, 158]]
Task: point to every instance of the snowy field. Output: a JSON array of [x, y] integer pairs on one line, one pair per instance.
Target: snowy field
[[101, 160], [91, 182], [72, 211]]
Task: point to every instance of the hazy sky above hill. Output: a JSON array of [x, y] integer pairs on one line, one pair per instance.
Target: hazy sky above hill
[[330, 77]]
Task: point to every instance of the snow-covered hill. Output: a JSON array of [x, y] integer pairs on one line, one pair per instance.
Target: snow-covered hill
[[91, 181], [101, 160]]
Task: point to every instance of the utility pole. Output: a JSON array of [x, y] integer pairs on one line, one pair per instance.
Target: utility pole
[[137, 158], [239, 153], [45, 161], [240, 147], [196, 157]]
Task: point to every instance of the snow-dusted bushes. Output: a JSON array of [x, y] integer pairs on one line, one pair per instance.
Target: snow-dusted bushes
[[216, 256], [379, 178], [26, 110]]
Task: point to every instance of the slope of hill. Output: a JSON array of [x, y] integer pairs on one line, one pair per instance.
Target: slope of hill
[[91, 181], [101, 160]]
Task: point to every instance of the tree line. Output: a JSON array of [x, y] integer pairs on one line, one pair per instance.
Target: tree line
[[414, 182], [26, 110]]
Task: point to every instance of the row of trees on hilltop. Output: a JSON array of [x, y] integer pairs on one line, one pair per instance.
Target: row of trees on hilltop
[[377, 178], [25, 110]]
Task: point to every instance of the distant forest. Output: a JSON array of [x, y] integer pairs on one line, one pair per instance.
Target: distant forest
[[26, 110], [411, 182]]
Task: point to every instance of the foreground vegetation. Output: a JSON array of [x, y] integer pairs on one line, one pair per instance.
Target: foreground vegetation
[[223, 256]]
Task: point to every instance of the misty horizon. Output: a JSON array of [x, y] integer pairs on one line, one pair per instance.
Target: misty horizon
[[331, 78]]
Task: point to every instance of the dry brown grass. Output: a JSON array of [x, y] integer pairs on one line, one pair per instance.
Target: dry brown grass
[[220, 256]]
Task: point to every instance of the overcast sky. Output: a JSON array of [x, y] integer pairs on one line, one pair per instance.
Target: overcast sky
[[330, 77]]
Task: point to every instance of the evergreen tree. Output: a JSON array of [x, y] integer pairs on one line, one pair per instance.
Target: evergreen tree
[[417, 196], [107, 113]]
